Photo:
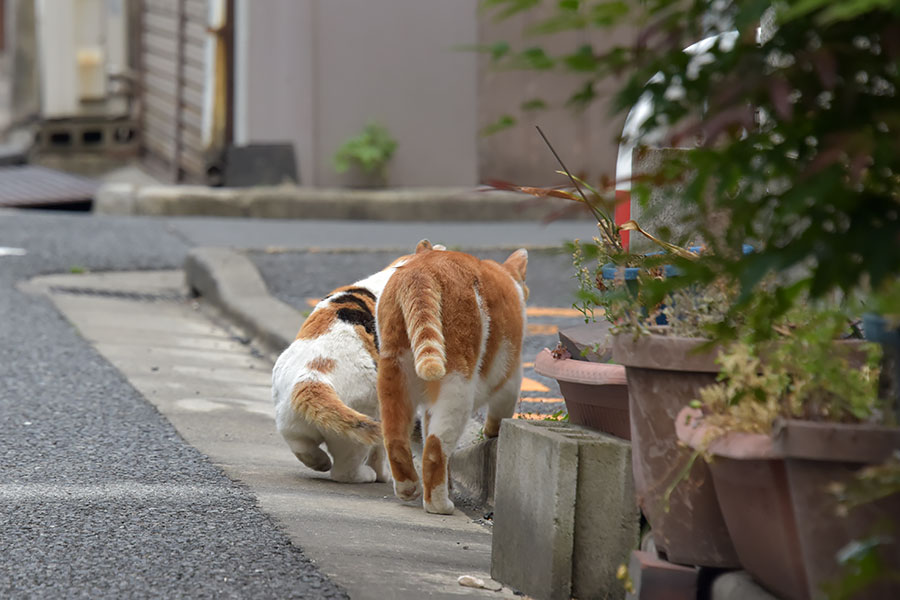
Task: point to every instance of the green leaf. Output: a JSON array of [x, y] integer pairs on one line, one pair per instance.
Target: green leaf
[[559, 23], [504, 122], [581, 60], [583, 96], [606, 14], [512, 7], [534, 58], [533, 105]]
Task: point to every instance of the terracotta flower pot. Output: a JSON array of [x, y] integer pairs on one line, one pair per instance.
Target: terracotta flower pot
[[595, 393], [664, 373], [774, 495], [751, 486], [817, 455]]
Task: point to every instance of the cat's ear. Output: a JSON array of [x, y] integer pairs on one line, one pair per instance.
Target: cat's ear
[[423, 246], [517, 263]]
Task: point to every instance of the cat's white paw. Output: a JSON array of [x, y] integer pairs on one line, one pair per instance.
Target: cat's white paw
[[440, 503], [439, 506], [363, 474], [407, 490], [316, 459], [382, 475]]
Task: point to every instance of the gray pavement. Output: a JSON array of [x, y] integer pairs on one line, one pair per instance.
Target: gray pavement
[[215, 390], [101, 496]]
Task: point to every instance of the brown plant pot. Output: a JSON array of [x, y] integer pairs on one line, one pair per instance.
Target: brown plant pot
[[773, 491], [664, 373], [751, 485], [817, 455], [595, 393]]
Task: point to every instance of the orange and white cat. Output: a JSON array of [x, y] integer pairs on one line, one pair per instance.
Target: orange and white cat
[[324, 383], [451, 328]]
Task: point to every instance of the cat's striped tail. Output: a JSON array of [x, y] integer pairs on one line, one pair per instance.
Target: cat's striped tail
[[319, 405], [421, 307]]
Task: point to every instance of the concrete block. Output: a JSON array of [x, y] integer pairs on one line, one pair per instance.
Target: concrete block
[[655, 579], [607, 518], [115, 199], [473, 470], [534, 517], [567, 495]]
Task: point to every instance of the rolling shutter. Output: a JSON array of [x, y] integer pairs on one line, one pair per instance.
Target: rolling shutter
[[172, 55]]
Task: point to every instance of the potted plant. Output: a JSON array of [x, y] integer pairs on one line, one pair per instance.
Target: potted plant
[[787, 421], [687, 524], [369, 153], [787, 152], [594, 389]]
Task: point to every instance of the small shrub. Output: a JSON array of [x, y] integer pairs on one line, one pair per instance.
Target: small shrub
[[371, 151]]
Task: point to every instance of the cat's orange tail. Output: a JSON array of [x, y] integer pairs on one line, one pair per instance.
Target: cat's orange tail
[[319, 404], [421, 307]]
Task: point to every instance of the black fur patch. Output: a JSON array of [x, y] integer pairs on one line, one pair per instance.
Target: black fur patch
[[354, 300], [359, 317], [362, 291]]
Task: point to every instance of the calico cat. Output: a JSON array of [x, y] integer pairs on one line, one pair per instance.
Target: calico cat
[[451, 328], [323, 384]]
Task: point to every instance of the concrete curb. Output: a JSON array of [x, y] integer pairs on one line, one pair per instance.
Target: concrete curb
[[232, 283], [292, 202]]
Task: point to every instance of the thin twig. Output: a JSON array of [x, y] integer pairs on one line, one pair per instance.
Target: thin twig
[[601, 218]]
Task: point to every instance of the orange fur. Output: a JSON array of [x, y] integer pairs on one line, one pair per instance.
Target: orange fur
[[320, 364], [449, 314], [434, 465], [319, 403]]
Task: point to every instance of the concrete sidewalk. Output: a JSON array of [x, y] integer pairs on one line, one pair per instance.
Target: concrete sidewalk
[[216, 393]]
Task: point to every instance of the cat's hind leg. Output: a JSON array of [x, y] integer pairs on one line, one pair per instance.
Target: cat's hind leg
[[378, 461], [397, 417], [447, 420], [502, 405], [308, 451], [349, 460]]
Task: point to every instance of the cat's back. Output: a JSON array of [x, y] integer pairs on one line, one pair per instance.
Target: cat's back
[[336, 342]]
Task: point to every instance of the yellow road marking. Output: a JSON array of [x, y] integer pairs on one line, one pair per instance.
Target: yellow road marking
[[527, 365], [530, 416], [312, 302], [549, 311], [541, 329], [530, 385], [547, 400]]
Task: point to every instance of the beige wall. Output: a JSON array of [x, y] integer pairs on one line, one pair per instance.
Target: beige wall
[[316, 71], [586, 141]]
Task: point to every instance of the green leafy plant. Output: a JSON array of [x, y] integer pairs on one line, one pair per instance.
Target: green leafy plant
[[371, 151], [794, 139], [802, 374]]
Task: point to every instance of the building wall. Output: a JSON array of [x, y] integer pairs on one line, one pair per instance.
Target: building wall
[[585, 140], [315, 73]]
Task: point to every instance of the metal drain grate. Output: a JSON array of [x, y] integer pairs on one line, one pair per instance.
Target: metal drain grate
[[120, 294]]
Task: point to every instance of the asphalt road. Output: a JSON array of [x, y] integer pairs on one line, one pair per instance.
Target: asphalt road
[[100, 496]]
